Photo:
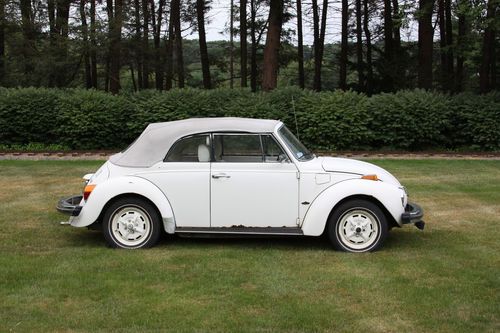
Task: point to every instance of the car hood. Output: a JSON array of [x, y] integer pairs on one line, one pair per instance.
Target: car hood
[[345, 165]]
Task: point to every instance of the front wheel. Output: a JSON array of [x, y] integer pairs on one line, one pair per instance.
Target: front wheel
[[131, 223], [357, 226]]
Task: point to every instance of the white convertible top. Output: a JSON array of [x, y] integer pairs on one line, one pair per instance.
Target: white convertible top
[[153, 144]]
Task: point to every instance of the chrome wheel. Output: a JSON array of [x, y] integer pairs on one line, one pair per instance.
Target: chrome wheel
[[358, 229]]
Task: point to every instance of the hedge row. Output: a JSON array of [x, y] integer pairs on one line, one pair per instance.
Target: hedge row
[[407, 120]]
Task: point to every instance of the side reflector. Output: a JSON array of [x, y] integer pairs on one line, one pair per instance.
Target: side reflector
[[370, 177], [87, 190]]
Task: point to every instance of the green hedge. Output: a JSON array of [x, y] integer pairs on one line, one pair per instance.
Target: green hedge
[[406, 120]]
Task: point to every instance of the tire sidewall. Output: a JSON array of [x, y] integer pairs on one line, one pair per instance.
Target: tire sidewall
[[144, 206], [349, 206]]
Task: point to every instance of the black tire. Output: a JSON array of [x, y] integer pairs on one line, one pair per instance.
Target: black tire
[[142, 217], [365, 220]]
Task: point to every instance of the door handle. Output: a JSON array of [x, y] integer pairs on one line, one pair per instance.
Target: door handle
[[220, 175]]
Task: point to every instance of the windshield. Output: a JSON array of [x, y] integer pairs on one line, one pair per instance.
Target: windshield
[[298, 149]]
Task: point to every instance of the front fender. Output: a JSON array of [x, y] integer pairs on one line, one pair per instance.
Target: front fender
[[392, 197], [114, 187]]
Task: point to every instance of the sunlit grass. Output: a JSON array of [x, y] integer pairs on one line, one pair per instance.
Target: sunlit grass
[[444, 279]]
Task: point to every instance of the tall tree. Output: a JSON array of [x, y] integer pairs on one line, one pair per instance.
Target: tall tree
[[359, 47], [86, 46], [28, 35], [272, 47], [462, 31], [425, 43], [319, 40], [145, 44], [2, 41], [369, 66], [231, 44], [344, 45], [449, 44], [157, 21], [253, 48], [169, 57], [93, 44], [300, 45], [205, 64], [243, 42], [442, 44], [115, 46], [487, 49], [62, 32], [176, 9], [389, 70], [138, 41]]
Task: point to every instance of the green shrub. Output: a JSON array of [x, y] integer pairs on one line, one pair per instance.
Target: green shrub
[[408, 120]]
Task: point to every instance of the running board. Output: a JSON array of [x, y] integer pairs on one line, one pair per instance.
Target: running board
[[241, 231]]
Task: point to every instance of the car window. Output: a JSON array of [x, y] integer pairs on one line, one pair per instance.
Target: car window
[[191, 149], [272, 150], [237, 148]]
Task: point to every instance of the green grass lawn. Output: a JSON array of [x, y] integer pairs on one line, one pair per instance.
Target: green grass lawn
[[444, 279]]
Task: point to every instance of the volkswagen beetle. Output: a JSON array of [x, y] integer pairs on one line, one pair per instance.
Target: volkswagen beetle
[[237, 176]]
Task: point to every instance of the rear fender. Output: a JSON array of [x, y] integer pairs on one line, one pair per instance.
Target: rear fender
[[391, 197], [106, 191]]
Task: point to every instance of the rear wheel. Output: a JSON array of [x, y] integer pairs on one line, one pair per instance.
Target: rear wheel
[[357, 226], [131, 223]]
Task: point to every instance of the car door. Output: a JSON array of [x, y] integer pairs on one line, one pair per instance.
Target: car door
[[253, 183], [184, 177]]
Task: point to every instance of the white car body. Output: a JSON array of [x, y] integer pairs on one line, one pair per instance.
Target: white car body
[[291, 196]]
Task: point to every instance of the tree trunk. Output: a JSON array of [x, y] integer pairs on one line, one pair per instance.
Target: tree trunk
[[316, 47], [487, 50], [169, 57], [205, 64], [231, 45], [157, 22], [253, 51], [462, 31], [62, 31], [28, 35], [343, 46], [271, 50], [145, 44], [115, 43], [396, 25], [243, 42], [449, 45], [300, 46], [138, 42], [359, 47], [2, 41], [93, 45], [175, 7], [442, 45], [369, 66], [389, 65], [86, 60], [425, 40]]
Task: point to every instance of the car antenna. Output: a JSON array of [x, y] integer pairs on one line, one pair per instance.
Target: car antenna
[[295, 116]]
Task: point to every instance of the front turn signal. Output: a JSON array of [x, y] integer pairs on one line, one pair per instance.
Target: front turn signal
[[370, 177], [87, 190]]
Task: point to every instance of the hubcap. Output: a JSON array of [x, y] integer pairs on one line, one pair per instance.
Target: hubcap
[[130, 225], [358, 229]]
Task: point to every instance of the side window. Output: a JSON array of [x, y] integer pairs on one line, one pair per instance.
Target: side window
[[272, 150], [191, 149], [237, 148]]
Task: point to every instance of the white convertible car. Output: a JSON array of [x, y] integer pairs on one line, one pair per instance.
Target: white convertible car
[[237, 176]]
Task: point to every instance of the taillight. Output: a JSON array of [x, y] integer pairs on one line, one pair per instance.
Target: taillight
[[87, 190]]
